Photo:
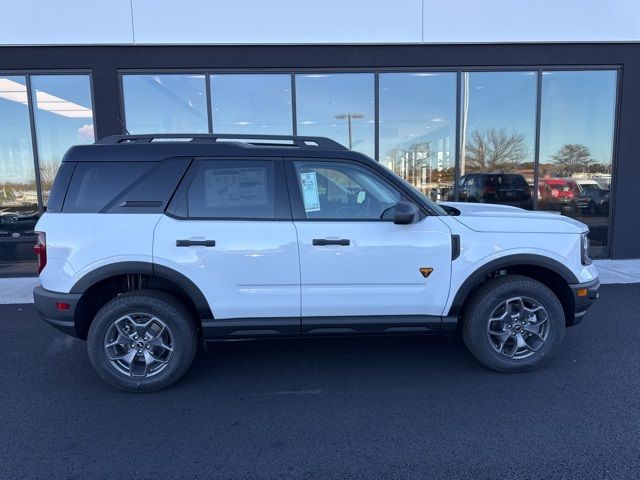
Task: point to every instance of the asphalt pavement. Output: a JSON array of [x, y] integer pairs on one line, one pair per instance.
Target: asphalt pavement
[[361, 408]]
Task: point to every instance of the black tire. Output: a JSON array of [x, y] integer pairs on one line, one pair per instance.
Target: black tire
[[155, 303], [490, 296]]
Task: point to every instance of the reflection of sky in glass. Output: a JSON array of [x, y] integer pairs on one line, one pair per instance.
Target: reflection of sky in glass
[[320, 97], [16, 157], [63, 117], [416, 107], [578, 108], [165, 103], [502, 100], [251, 104]]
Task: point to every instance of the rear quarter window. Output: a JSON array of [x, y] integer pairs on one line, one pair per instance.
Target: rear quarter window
[[95, 184]]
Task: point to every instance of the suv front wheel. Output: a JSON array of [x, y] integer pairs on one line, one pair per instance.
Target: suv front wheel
[[513, 323], [142, 340]]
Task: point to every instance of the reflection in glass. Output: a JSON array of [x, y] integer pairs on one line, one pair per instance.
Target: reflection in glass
[[417, 129], [576, 148], [339, 106], [251, 104], [63, 116], [165, 103], [498, 135], [18, 196]]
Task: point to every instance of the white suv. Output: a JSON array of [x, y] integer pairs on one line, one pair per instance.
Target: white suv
[[151, 244]]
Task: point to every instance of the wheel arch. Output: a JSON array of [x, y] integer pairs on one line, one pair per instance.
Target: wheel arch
[[548, 271], [104, 283]]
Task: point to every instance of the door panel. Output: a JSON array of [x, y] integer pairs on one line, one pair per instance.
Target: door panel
[[251, 272], [229, 230], [378, 272]]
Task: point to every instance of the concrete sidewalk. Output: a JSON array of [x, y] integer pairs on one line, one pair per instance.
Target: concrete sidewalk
[[18, 290]]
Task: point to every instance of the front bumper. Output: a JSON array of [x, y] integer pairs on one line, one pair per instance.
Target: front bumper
[[64, 320], [584, 294]]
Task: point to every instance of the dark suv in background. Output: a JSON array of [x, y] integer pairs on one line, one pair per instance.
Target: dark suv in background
[[505, 188]]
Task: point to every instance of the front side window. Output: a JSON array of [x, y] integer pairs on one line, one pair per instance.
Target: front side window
[[232, 189], [344, 191]]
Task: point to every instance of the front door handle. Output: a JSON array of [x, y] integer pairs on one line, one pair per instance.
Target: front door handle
[[194, 243], [322, 242]]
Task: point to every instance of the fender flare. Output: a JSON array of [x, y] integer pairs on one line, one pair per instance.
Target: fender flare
[[146, 268], [522, 259]]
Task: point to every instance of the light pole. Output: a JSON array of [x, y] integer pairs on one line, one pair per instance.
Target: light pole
[[349, 116]]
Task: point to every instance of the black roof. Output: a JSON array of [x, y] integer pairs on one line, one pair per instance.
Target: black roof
[[153, 148]]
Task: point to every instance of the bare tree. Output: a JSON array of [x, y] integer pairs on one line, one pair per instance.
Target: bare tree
[[495, 149], [573, 158], [48, 170]]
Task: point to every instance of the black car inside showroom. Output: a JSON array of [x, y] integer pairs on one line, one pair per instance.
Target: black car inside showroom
[[541, 126]]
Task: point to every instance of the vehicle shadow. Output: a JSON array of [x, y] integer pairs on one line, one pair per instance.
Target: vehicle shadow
[[329, 363]]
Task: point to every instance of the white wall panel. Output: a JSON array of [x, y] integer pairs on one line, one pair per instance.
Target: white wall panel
[[277, 21], [44, 22], [481, 21]]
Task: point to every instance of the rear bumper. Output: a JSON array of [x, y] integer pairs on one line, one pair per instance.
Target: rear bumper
[[582, 300], [63, 320]]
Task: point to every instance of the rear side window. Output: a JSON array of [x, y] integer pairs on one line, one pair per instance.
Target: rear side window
[[95, 184], [231, 189], [60, 185], [512, 180]]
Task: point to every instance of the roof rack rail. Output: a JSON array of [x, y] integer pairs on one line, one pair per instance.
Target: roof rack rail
[[255, 140]]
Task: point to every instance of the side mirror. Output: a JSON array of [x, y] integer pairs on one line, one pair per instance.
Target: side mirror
[[406, 213]]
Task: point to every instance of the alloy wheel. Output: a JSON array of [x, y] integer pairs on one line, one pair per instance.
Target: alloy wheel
[[518, 327], [139, 345]]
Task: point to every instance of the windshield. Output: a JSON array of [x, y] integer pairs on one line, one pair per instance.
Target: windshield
[[432, 205], [590, 188]]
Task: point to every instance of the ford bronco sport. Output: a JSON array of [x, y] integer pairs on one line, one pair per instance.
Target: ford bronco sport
[[152, 244]]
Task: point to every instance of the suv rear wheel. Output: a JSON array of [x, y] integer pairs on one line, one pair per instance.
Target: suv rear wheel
[[142, 341], [513, 323]]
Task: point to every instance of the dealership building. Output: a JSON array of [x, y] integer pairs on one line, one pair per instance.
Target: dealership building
[[531, 104]]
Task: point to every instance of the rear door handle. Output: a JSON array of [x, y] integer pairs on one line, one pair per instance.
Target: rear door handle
[[194, 243], [322, 242]]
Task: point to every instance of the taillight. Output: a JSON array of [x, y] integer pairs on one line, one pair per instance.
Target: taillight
[[40, 249]]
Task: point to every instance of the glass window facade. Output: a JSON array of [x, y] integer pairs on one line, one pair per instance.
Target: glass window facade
[[539, 139], [18, 193], [251, 104], [417, 129], [63, 116], [172, 103], [498, 128], [533, 139], [339, 106], [59, 110], [576, 148]]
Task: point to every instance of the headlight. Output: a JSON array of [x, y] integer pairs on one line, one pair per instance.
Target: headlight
[[584, 249]]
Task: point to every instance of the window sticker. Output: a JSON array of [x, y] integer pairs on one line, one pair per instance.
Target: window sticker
[[310, 196], [235, 187]]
